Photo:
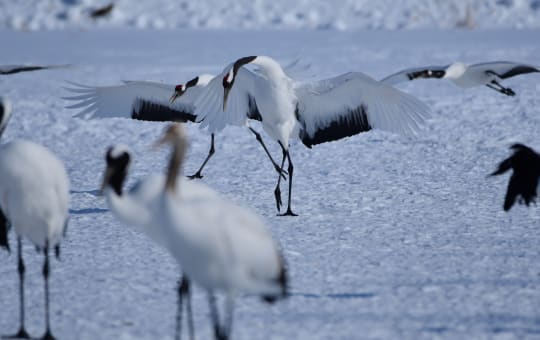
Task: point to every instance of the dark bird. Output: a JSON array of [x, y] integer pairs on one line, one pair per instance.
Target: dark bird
[[525, 163], [102, 11], [11, 69]]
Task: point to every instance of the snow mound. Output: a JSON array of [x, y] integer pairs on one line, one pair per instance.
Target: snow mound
[[271, 14]]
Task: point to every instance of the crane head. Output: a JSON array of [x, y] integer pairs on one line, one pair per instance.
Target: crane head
[[180, 89], [178, 92], [117, 158]]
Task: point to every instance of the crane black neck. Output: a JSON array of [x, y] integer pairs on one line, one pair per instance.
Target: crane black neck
[[192, 82], [241, 62], [117, 179]]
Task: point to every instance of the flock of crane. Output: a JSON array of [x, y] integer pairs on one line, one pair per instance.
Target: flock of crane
[[219, 245]]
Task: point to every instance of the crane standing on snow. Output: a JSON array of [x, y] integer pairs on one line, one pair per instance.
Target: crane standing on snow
[[34, 195]]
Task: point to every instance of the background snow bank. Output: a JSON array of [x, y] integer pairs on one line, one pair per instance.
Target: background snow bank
[[306, 14]]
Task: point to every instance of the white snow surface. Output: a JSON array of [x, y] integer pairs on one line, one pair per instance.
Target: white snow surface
[[265, 14], [397, 238]]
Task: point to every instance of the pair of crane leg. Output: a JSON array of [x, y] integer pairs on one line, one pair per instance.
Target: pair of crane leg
[[22, 333], [184, 292], [280, 170], [221, 332], [495, 85]]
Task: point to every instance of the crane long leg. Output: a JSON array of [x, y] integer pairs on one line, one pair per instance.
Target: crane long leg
[[46, 271], [22, 333], [184, 292], [279, 169], [229, 316], [210, 153], [214, 315], [178, 331], [191, 327], [499, 88], [277, 191], [290, 170]]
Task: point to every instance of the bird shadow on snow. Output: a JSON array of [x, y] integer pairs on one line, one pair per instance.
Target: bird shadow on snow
[[87, 211], [335, 295], [91, 192]]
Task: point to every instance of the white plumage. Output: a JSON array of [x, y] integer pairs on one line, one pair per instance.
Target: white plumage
[[220, 245], [465, 76], [34, 198], [151, 101], [34, 192], [315, 112], [138, 207], [119, 100]]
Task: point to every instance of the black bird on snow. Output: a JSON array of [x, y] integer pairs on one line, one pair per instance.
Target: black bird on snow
[[523, 185]]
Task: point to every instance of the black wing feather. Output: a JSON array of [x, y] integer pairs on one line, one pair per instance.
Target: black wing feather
[[253, 109], [282, 280], [155, 112], [22, 69], [349, 124], [518, 70]]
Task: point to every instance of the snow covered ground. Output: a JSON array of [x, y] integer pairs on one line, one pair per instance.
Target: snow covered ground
[[238, 14], [396, 239]]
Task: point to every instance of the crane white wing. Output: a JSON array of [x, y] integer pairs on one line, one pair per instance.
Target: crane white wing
[[253, 246], [504, 69], [411, 74], [351, 103], [118, 101], [240, 104], [34, 194], [223, 244]]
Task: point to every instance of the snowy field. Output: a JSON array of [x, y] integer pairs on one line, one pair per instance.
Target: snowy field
[[281, 14], [397, 238]]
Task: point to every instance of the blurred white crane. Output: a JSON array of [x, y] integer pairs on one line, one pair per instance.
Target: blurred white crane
[[220, 246], [137, 208], [34, 195]]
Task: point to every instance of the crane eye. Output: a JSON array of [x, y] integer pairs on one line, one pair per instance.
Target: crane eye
[[226, 82], [228, 79]]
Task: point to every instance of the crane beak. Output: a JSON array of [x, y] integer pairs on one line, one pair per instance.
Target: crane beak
[[226, 91], [175, 95], [106, 177]]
